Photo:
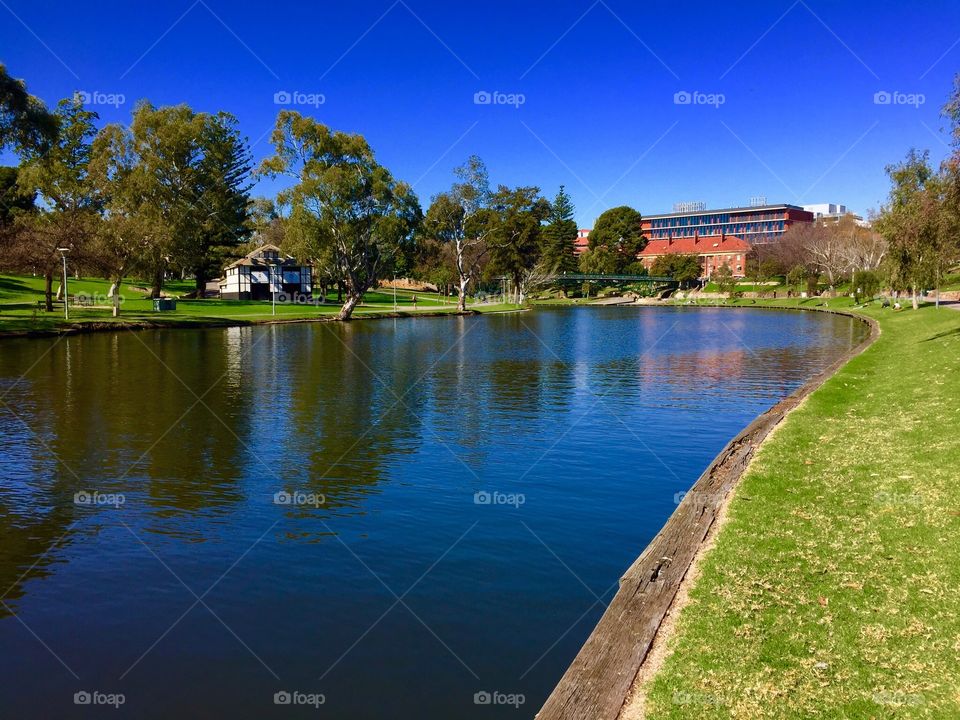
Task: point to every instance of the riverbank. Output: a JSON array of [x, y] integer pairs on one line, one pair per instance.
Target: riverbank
[[832, 585], [22, 316], [734, 652]]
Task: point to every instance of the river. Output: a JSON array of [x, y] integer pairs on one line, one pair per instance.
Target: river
[[416, 518]]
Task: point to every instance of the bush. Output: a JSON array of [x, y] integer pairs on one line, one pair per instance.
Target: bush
[[866, 284]]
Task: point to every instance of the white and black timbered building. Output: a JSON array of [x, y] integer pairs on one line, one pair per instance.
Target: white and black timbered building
[[265, 271]]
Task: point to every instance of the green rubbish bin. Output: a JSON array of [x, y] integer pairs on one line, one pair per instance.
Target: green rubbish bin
[[164, 304]]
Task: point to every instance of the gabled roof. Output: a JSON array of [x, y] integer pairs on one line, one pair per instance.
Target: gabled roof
[[256, 258], [702, 245]]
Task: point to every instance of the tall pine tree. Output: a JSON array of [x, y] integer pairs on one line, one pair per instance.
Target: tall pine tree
[[559, 234]]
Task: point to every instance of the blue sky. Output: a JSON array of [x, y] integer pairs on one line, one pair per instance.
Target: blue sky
[[782, 93]]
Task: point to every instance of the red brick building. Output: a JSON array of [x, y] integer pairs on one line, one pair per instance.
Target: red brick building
[[582, 243], [756, 224], [711, 251]]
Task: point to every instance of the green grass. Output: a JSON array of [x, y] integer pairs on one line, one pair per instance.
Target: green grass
[[19, 311], [747, 286], [832, 591]]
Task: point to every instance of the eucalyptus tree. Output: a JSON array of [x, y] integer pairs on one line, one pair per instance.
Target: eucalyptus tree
[[456, 217], [514, 220], [193, 169], [129, 218], [14, 200], [25, 122], [343, 201], [911, 221], [68, 206]]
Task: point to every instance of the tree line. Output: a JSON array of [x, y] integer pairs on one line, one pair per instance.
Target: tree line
[[169, 194]]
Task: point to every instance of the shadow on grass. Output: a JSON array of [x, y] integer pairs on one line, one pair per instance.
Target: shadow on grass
[[12, 286], [942, 335]]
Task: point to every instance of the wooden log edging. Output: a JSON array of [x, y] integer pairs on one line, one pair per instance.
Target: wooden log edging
[[598, 682]]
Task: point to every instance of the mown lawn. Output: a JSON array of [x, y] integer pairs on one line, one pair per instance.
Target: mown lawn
[[833, 591], [19, 311]]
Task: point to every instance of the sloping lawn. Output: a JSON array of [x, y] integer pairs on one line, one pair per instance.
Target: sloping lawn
[[20, 294], [833, 591]]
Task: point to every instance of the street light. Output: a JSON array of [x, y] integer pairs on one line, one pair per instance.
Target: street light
[[273, 284], [66, 294]]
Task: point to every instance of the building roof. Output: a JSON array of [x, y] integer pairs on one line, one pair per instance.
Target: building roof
[[700, 245], [759, 208], [256, 258]]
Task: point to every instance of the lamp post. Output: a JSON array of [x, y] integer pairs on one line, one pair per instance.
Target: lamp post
[[66, 295], [273, 288]]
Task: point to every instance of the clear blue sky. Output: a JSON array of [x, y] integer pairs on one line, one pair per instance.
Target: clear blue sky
[[798, 124]]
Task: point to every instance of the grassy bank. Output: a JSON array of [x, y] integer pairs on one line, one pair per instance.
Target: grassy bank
[[831, 590], [20, 312]]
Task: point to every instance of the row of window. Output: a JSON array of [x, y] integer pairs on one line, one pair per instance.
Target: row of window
[[766, 228], [719, 219]]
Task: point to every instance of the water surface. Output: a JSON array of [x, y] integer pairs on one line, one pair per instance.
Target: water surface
[[473, 489]]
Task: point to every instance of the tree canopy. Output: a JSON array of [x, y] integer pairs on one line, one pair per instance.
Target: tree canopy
[[25, 122], [343, 200], [619, 230]]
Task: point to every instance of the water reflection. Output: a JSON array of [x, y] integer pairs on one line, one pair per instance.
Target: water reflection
[[597, 416]]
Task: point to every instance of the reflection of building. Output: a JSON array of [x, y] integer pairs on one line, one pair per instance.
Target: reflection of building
[[582, 242], [711, 251], [263, 272], [755, 224]]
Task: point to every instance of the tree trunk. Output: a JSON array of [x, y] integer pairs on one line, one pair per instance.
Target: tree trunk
[[115, 294], [339, 292], [462, 300], [353, 299], [916, 298], [48, 290], [201, 283], [157, 284]]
